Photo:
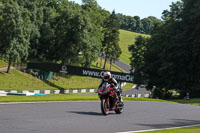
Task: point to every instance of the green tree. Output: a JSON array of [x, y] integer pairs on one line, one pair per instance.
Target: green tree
[[137, 59], [139, 26], [136, 24], [190, 41], [45, 49], [69, 29], [161, 58], [149, 23], [131, 23], [15, 29], [97, 17], [171, 58], [110, 43]]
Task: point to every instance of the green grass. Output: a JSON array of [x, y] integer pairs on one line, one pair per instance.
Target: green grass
[[18, 80], [3, 63], [195, 101], [128, 86], [68, 82], [56, 97], [64, 97], [127, 38], [143, 99], [195, 129]]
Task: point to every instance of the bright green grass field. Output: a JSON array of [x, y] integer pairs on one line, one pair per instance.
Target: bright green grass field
[[179, 130], [127, 38]]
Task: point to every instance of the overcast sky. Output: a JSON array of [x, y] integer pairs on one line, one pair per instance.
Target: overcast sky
[[142, 8]]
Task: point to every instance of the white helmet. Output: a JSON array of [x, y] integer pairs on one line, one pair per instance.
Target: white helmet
[[106, 76]]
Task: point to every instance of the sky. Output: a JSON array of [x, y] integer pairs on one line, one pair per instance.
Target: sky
[[141, 8]]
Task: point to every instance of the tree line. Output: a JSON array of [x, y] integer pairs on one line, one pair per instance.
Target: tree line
[[169, 60], [57, 31], [135, 24]]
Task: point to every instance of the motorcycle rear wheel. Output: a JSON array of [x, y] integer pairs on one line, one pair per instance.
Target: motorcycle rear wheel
[[104, 107]]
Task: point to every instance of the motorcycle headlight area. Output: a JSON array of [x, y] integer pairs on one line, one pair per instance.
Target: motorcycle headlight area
[[106, 92]]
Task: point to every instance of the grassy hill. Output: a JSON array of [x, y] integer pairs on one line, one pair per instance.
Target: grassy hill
[[18, 80], [127, 38]]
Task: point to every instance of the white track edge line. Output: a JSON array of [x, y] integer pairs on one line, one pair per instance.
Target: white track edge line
[[148, 130]]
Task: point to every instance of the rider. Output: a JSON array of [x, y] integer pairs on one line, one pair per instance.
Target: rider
[[107, 78]]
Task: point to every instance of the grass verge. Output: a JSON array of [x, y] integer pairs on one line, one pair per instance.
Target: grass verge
[[195, 101], [128, 86], [195, 129], [64, 97]]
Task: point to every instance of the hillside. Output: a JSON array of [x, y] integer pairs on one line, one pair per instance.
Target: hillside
[[23, 81], [127, 38], [18, 80]]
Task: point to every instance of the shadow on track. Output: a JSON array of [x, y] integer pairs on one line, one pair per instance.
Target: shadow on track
[[84, 113], [174, 123]]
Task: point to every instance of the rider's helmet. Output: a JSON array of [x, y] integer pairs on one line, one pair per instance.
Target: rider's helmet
[[106, 76]]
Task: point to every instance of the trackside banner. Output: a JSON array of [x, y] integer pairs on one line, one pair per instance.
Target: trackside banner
[[81, 71]]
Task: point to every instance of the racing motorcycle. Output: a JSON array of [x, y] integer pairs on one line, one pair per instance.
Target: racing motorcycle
[[109, 99]]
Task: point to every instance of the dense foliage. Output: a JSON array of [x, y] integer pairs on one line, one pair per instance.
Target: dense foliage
[[136, 24], [110, 43], [170, 59], [15, 31], [53, 30]]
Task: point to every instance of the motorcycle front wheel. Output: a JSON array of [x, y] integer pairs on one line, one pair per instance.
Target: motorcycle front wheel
[[104, 106], [119, 109]]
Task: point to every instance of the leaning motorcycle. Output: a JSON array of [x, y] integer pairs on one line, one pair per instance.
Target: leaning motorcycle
[[109, 99]]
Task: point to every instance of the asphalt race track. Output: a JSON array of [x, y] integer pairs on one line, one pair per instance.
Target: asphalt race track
[[85, 117]]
